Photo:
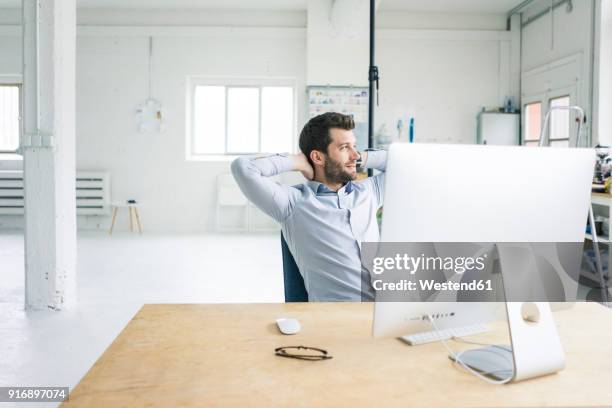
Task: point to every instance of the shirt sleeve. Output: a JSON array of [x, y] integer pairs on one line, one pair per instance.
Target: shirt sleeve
[[252, 175], [377, 160]]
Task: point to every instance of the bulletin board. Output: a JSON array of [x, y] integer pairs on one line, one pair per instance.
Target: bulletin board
[[348, 100]]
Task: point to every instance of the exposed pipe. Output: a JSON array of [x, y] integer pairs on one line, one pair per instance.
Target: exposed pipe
[[542, 13], [552, 25], [518, 9], [150, 63], [594, 71], [372, 77]]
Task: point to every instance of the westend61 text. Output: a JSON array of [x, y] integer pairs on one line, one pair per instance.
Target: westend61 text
[[430, 284]]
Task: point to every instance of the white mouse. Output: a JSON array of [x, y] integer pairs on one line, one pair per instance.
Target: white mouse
[[288, 326]]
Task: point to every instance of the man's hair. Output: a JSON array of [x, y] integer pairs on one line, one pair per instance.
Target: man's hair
[[315, 134]]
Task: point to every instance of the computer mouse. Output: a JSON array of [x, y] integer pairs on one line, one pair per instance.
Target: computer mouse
[[288, 326]]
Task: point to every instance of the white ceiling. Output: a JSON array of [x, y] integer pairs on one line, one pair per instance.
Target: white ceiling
[[437, 6]]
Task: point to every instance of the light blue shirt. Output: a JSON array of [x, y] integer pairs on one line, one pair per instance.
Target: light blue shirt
[[323, 228]]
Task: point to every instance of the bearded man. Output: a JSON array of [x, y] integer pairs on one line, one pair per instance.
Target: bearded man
[[325, 219]]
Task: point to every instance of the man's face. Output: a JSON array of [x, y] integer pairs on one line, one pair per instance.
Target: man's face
[[341, 159]]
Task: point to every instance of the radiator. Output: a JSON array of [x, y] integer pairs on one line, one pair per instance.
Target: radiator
[[92, 192]]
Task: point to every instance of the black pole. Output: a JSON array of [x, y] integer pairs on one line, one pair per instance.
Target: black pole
[[373, 78], [372, 74]]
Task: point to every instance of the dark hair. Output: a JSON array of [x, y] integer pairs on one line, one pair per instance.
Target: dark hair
[[315, 134]]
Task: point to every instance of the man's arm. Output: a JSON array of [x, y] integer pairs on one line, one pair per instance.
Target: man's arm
[[377, 160], [252, 175]]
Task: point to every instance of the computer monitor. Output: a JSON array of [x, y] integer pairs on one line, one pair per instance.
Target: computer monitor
[[474, 193]]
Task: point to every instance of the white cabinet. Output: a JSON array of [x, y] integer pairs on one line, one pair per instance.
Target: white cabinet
[[496, 128]]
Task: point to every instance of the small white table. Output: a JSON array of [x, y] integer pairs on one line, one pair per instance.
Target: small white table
[[132, 207]]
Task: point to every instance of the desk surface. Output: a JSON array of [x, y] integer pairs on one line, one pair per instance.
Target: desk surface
[[222, 355]]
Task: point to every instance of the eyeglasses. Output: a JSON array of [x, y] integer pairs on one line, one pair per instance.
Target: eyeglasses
[[312, 353]]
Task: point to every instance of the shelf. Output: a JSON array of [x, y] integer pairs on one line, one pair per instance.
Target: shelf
[[600, 238], [601, 199]]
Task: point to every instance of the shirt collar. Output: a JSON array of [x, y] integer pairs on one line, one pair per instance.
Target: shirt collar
[[320, 188]]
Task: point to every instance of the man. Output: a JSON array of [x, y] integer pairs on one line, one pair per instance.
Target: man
[[325, 219]]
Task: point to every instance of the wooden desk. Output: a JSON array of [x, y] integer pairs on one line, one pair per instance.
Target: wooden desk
[[222, 355]]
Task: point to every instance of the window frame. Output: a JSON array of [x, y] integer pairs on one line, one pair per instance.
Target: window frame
[[531, 101], [14, 81], [570, 140], [545, 99], [232, 82]]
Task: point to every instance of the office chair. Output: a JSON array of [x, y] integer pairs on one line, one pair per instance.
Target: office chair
[[295, 290]]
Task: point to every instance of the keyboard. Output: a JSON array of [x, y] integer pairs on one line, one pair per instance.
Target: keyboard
[[444, 334]]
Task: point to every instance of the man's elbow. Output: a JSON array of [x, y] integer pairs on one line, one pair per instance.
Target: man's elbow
[[238, 167]]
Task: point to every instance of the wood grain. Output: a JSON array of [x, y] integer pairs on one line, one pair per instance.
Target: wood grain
[[217, 355]]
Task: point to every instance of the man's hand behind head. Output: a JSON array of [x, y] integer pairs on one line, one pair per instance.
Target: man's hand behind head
[[303, 165]]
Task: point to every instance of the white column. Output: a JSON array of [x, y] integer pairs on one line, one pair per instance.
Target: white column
[[48, 146]]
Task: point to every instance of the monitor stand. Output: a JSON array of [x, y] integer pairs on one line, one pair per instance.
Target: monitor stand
[[495, 361], [535, 346]]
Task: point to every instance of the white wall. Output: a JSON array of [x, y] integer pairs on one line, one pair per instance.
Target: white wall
[[441, 78], [10, 50], [196, 17], [10, 16], [559, 60], [603, 81], [441, 69], [433, 67], [337, 56], [176, 194], [440, 21]]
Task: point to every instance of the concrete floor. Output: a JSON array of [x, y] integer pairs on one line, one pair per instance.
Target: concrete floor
[[116, 276]]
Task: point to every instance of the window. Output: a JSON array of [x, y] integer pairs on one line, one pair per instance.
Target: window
[[533, 121], [240, 118], [9, 118], [559, 126]]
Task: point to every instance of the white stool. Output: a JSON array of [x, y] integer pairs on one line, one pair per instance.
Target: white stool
[[131, 207]]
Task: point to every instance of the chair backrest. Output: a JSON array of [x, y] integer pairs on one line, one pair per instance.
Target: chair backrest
[[295, 290]]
